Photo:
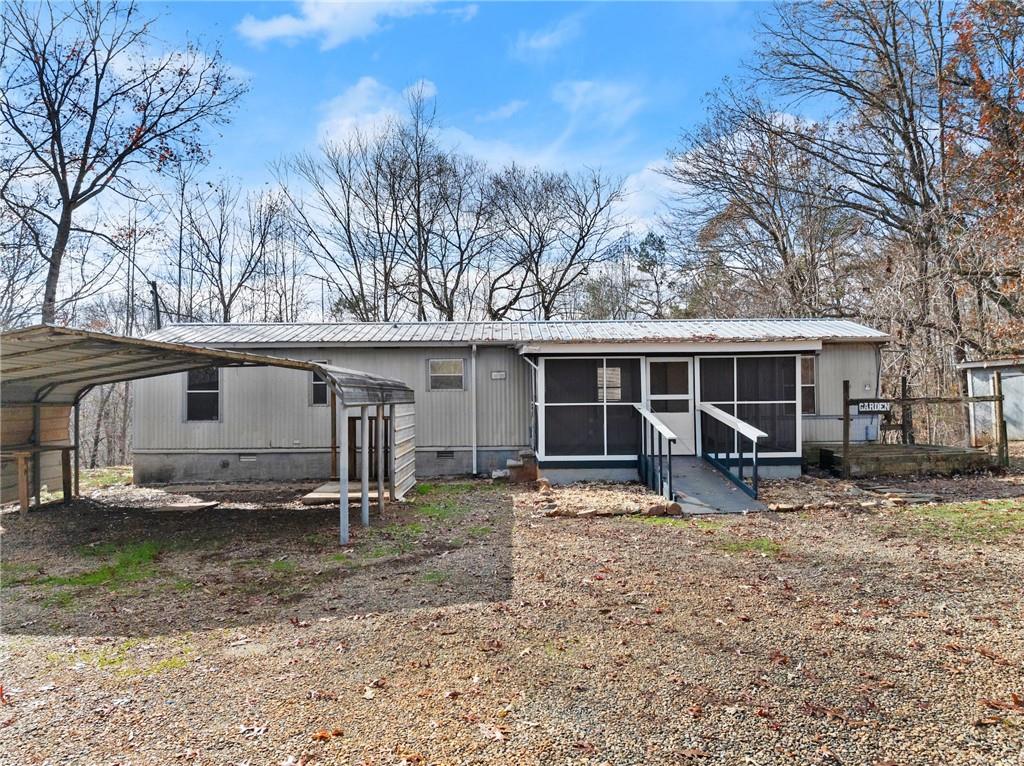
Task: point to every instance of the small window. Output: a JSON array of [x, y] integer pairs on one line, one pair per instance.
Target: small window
[[807, 384], [318, 387], [202, 394], [446, 374]]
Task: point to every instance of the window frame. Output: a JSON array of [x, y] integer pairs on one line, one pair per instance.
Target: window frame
[[813, 385], [186, 391], [313, 383], [542, 404], [430, 375]]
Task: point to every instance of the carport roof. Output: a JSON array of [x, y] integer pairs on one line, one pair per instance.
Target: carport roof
[[55, 365]]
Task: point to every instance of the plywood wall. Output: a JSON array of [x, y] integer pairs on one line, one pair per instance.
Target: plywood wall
[[16, 429]]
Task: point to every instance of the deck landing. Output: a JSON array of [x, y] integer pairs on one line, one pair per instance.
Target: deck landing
[[328, 493], [701, 489]]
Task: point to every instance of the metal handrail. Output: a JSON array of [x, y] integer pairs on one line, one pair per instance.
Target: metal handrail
[[654, 473], [655, 421], [740, 426], [742, 429]]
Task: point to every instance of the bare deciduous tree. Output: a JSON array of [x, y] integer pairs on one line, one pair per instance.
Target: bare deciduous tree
[[232, 232], [86, 103]]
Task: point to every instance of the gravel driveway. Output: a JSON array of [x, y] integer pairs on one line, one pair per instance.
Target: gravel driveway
[[467, 627]]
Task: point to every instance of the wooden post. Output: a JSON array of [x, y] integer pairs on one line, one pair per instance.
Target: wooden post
[[364, 464], [78, 442], [393, 480], [999, 426], [65, 474], [334, 435], [37, 457], [846, 429], [381, 451], [23, 496], [906, 428], [342, 440]]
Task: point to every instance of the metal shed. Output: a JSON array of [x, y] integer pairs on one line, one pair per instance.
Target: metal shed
[[981, 381], [45, 371]]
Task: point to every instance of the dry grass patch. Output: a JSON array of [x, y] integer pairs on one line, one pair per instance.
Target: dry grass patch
[[981, 521]]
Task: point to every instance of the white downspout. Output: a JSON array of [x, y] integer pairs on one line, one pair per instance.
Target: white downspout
[[472, 395], [533, 402]]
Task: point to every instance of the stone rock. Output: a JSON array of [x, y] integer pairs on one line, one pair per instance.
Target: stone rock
[[500, 473], [664, 509], [544, 485]]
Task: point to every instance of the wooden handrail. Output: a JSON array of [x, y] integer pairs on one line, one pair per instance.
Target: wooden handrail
[[740, 426], [653, 419]]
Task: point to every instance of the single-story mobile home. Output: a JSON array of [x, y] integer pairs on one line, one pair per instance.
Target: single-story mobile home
[[576, 393]]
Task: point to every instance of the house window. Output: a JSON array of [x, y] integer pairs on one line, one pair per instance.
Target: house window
[[588, 406], [446, 374], [318, 387], [807, 385], [202, 394]]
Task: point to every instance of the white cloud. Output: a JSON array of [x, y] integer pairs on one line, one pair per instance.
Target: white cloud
[[334, 23], [365, 108], [464, 12], [503, 112], [645, 195], [422, 87], [611, 104], [531, 45]]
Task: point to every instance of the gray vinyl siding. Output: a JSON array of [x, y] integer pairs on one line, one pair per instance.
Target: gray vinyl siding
[[858, 363], [267, 408]]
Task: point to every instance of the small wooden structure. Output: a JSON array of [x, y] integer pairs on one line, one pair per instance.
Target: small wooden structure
[[909, 457], [45, 371]]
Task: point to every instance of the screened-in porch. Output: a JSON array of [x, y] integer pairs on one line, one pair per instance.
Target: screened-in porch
[[587, 406]]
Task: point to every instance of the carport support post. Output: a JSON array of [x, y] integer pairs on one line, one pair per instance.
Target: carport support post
[[334, 435], [381, 449], [364, 463], [392, 481], [37, 462], [342, 430], [78, 442]]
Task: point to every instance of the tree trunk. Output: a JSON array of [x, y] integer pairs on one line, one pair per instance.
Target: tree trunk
[[60, 243]]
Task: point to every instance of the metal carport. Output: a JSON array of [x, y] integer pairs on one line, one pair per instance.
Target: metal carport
[[46, 370]]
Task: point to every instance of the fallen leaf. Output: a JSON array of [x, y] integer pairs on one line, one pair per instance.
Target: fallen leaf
[[491, 732]]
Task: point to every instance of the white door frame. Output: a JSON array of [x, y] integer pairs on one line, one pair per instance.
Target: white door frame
[[690, 397]]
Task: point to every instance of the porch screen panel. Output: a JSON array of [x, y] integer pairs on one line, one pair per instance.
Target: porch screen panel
[[588, 406], [574, 430], [717, 379], [670, 378], [760, 390], [765, 379], [622, 381], [623, 430], [716, 436], [776, 420], [572, 381]]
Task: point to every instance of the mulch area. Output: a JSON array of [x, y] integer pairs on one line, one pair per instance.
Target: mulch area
[[468, 627]]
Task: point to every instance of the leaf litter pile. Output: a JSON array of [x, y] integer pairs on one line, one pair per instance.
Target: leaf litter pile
[[466, 626]]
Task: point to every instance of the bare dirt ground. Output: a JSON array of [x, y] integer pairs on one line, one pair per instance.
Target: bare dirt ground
[[467, 627]]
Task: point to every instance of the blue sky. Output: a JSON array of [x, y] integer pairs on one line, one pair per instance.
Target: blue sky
[[560, 85]]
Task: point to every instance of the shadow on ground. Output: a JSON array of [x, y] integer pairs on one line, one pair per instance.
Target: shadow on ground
[[110, 567]]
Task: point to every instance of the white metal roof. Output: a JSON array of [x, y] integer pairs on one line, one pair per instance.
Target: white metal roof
[[516, 333], [46, 364]]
